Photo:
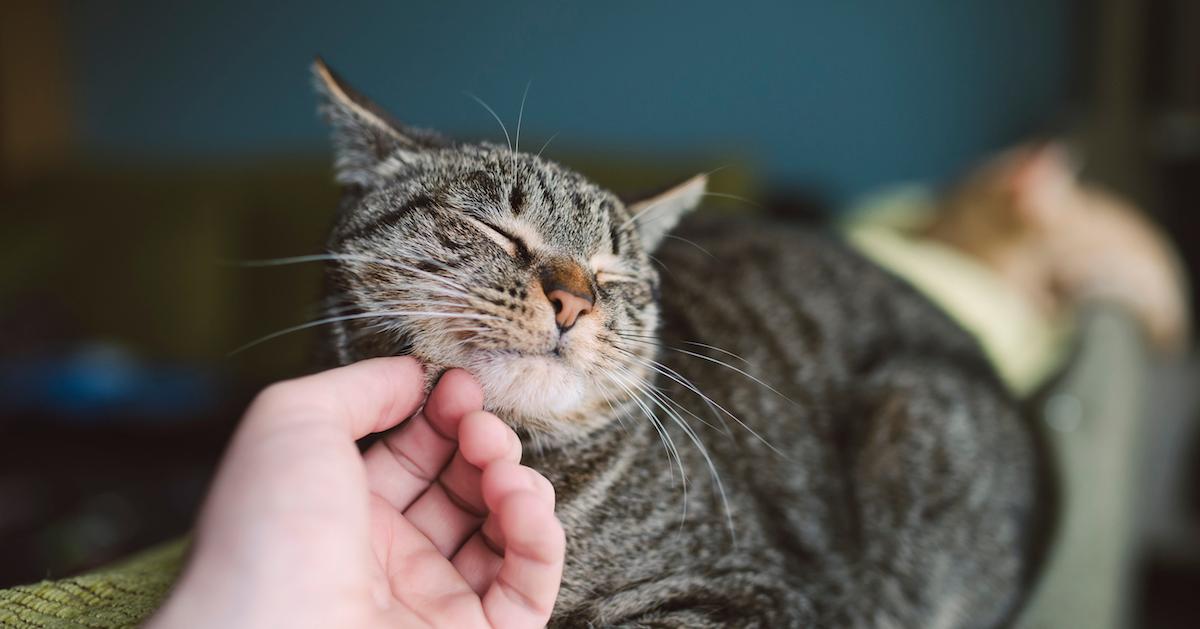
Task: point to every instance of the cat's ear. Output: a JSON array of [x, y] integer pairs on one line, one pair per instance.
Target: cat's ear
[[657, 215], [364, 135], [1041, 182]]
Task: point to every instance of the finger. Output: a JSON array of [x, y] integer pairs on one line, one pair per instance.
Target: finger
[[362, 398], [403, 464], [480, 557], [420, 577], [503, 478], [523, 592], [499, 481], [485, 439], [453, 508]]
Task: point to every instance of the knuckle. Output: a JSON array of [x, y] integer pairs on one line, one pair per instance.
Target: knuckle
[[276, 395]]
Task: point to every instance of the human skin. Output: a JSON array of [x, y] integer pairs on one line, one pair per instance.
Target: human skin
[[436, 524]]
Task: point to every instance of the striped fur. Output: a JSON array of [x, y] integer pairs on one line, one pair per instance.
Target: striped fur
[[857, 464]]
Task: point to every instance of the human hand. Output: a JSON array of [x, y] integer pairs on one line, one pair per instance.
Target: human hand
[[436, 524]]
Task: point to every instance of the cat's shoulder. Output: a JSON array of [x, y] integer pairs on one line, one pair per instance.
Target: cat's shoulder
[[717, 245], [775, 265]]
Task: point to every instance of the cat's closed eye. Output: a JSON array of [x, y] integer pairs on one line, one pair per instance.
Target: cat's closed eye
[[607, 277], [610, 269], [511, 244]]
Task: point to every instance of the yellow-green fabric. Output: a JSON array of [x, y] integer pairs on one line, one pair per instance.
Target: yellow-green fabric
[[123, 595]]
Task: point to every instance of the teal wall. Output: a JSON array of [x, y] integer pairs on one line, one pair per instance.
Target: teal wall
[[843, 94]]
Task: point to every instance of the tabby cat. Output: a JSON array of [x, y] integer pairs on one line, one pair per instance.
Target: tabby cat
[[1060, 241], [773, 432]]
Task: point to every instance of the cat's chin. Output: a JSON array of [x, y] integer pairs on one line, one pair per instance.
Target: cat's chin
[[542, 386]]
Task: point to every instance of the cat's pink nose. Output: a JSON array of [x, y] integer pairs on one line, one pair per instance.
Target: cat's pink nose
[[567, 287], [568, 307]]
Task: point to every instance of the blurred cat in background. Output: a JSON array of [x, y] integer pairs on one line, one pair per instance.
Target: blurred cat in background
[[1017, 246], [1061, 241]]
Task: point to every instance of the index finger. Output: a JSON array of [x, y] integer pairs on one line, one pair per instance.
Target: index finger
[[363, 398]]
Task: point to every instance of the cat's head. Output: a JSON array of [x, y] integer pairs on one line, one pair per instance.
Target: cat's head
[[528, 275]]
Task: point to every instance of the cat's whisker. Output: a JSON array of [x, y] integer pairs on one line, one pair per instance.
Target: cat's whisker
[[718, 362], [520, 117], [718, 349], [633, 359], [725, 195], [547, 143], [633, 397], [446, 292], [380, 306], [662, 264], [692, 243], [695, 343], [475, 328], [664, 436], [496, 116], [660, 399], [452, 271], [352, 317], [350, 303], [717, 170], [677, 377], [712, 406], [608, 399], [674, 375], [646, 210], [633, 383], [712, 468], [350, 257], [687, 384], [268, 262], [297, 328], [636, 217], [610, 396], [433, 276]]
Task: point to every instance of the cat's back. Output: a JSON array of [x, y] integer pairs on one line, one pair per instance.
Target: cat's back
[[796, 296], [889, 433]]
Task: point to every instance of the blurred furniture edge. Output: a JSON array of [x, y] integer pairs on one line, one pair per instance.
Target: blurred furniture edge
[[1093, 419]]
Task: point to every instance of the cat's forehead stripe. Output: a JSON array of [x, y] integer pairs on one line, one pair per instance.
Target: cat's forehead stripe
[[516, 198]]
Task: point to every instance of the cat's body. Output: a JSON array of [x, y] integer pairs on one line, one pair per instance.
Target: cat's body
[[899, 486], [903, 485]]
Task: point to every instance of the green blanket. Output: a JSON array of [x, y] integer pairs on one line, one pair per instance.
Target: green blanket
[[123, 595]]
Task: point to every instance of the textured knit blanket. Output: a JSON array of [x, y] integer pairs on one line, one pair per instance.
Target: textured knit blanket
[[123, 595]]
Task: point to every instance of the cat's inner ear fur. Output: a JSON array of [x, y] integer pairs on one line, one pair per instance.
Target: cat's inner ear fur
[[364, 135], [657, 215]]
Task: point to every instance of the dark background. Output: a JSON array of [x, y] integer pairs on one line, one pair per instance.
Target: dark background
[[147, 144]]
